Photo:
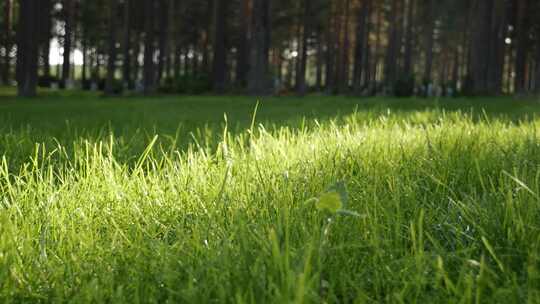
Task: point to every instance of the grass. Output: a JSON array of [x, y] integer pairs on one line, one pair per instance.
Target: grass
[[188, 199]]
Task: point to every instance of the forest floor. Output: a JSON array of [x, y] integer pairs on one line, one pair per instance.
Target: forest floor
[[304, 200]]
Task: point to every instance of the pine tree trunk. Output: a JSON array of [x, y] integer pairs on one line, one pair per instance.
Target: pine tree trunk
[[409, 38], [361, 47], [331, 40], [27, 47], [537, 70], [319, 63], [390, 64], [6, 40], [521, 48], [430, 41], [242, 60], [68, 35], [480, 46], [46, 35], [126, 67], [149, 76], [219, 70], [111, 60], [163, 35], [345, 56], [85, 60], [301, 85], [259, 82]]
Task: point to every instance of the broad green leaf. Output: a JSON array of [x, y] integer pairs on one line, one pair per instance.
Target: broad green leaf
[[330, 201]]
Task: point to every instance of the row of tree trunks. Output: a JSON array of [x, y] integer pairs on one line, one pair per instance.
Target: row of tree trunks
[[475, 51]]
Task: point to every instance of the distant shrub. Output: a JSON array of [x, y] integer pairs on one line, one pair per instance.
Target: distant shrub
[[117, 86], [404, 86], [86, 85], [187, 84], [46, 81]]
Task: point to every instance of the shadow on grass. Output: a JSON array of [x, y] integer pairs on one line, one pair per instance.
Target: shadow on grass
[[64, 117]]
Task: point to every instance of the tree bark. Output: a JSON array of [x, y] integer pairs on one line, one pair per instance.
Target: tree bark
[[480, 50], [46, 35], [521, 48], [259, 82], [163, 34], [126, 67], [409, 38], [362, 46], [319, 63], [301, 85], [149, 76], [111, 60], [429, 43], [343, 76], [537, 72], [27, 47], [68, 12], [7, 40], [219, 70], [242, 60], [390, 65]]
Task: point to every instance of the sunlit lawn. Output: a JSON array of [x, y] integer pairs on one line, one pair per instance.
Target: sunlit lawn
[[213, 199]]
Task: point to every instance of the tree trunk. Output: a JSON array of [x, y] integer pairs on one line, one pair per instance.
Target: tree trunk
[[500, 28], [27, 47], [390, 65], [68, 35], [344, 67], [219, 70], [331, 40], [149, 76], [163, 34], [361, 47], [136, 66], [205, 64], [6, 40], [259, 82], [521, 48], [126, 67], [85, 60], [430, 41], [480, 47], [46, 35], [537, 73], [242, 60], [319, 64], [376, 51], [409, 37], [111, 63], [301, 85]]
